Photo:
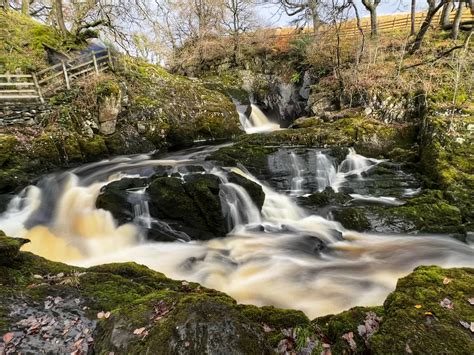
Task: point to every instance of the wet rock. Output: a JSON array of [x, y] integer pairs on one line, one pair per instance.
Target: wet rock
[[115, 198], [193, 207], [254, 190], [352, 218], [325, 198]]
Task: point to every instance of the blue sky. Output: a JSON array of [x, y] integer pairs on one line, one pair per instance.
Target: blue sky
[[267, 12]]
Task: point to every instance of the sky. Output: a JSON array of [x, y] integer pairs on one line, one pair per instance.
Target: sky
[[386, 7]]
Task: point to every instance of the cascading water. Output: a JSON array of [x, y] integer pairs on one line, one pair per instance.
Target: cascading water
[[325, 171], [283, 256], [297, 178], [257, 122]]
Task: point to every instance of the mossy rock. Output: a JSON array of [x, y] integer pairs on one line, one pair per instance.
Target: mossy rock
[[324, 198], [9, 248], [352, 218], [414, 318]]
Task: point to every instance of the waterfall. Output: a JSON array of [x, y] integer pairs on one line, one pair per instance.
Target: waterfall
[[239, 208], [141, 209], [297, 180], [258, 122], [355, 163], [325, 171]]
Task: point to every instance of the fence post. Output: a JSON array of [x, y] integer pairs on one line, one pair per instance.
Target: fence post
[[95, 63], [110, 59], [38, 88], [66, 78], [393, 23]]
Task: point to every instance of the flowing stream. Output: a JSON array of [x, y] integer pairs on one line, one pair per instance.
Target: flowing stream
[[284, 256]]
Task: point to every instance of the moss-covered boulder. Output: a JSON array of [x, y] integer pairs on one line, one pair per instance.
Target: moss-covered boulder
[[352, 218], [9, 248], [192, 207], [325, 198], [428, 313]]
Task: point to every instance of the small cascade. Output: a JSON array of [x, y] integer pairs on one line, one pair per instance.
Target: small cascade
[[239, 208], [355, 163], [297, 179], [141, 209], [258, 122], [325, 171]]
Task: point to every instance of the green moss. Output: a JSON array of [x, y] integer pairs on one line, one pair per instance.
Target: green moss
[[106, 88], [352, 218], [437, 331]]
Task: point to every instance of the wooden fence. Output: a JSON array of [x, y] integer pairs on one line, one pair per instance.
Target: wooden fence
[[389, 23], [34, 87]]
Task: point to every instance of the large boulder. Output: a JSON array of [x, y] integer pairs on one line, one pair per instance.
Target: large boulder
[[254, 190], [181, 206]]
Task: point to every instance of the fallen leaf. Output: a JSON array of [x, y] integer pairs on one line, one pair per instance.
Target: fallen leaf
[[37, 277], [428, 314], [186, 344], [471, 328], [107, 315], [139, 331], [447, 303], [100, 315], [471, 301], [408, 349], [465, 324], [447, 280], [266, 328], [8, 337], [418, 306]]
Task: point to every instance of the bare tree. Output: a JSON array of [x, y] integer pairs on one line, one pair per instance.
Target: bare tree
[[413, 17], [433, 8], [238, 18], [303, 11], [445, 14], [371, 6], [457, 20], [25, 7], [59, 14]]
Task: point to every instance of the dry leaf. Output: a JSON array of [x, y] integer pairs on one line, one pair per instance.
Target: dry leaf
[[408, 349], [471, 301], [266, 328], [100, 315], [446, 303], [428, 314], [465, 324], [418, 306], [447, 280], [8, 337], [139, 331], [107, 315], [471, 328]]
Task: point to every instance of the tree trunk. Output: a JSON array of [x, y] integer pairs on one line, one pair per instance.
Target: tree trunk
[[457, 20], [58, 7], [425, 27], [444, 21], [315, 17], [373, 21], [413, 18], [25, 7]]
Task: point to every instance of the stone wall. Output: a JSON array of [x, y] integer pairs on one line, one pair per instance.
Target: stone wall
[[22, 113]]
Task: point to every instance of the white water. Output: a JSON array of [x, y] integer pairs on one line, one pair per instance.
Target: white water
[[283, 256], [258, 122]]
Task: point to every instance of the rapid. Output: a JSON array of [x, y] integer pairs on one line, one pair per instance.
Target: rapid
[[284, 255]]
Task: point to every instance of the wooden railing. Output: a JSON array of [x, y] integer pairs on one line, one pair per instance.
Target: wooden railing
[[34, 87]]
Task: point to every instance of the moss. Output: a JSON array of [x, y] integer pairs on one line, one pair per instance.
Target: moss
[[437, 331], [106, 88], [94, 148], [352, 218], [429, 212]]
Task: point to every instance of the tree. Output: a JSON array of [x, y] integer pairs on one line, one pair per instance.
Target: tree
[[413, 17], [59, 14], [371, 6], [433, 8], [237, 18], [457, 20], [304, 11], [445, 14], [25, 7]]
